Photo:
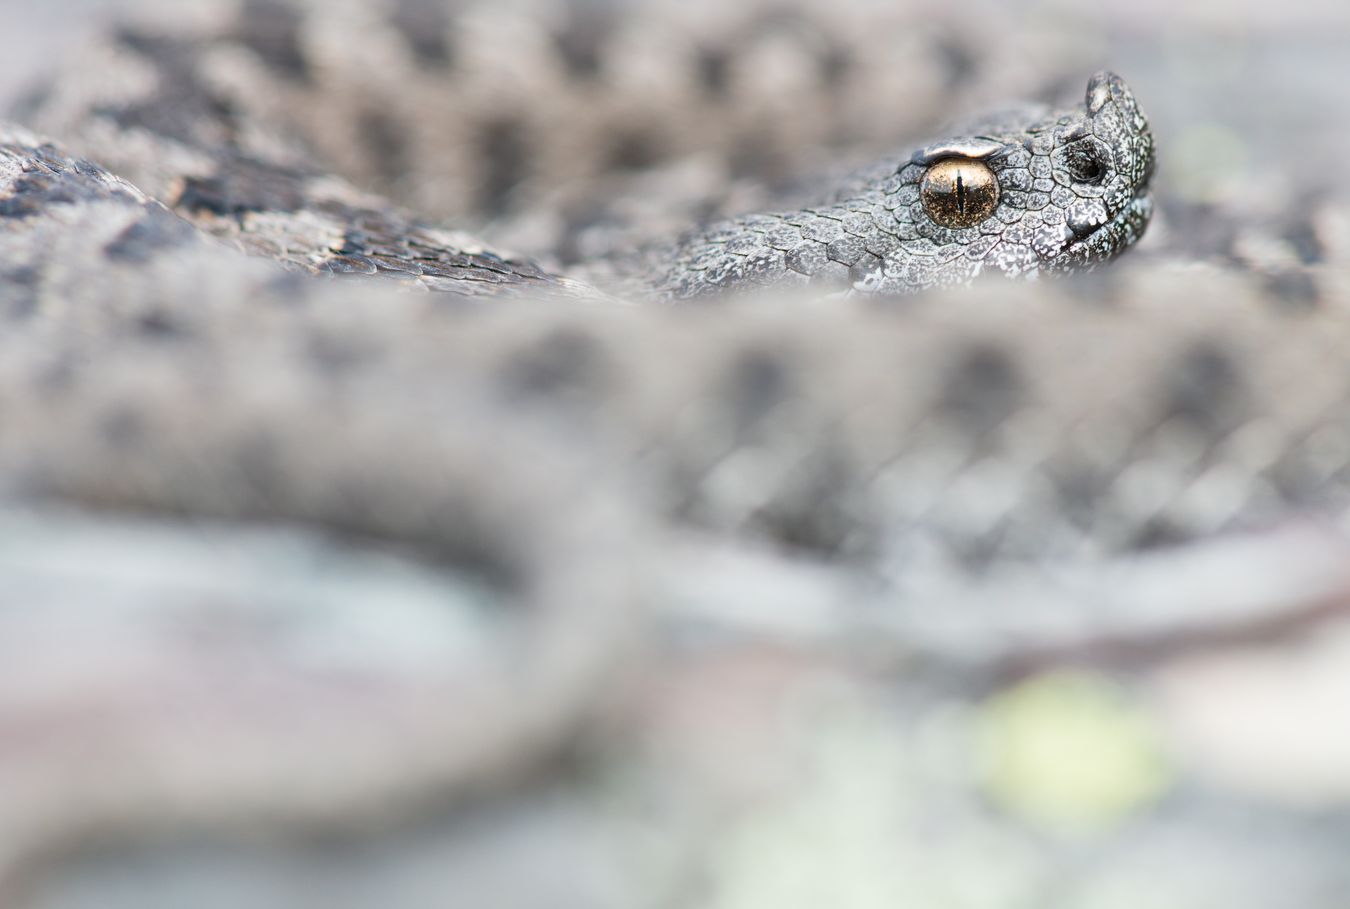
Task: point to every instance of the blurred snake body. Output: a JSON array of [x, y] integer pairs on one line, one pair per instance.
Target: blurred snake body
[[622, 392]]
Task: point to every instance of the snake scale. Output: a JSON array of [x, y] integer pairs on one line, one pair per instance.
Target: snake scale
[[624, 415]]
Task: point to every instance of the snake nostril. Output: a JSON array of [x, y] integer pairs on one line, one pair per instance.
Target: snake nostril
[[1087, 167]]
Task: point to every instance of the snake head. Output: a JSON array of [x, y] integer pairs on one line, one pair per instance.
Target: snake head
[[1104, 157], [1026, 192], [1023, 193]]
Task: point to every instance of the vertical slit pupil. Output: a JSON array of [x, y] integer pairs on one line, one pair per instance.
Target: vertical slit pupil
[[960, 194]]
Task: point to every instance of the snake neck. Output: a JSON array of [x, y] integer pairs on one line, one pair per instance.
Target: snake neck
[[840, 246]]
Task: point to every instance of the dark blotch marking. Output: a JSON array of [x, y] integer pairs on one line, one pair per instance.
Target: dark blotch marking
[[835, 64], [1302, 236], [983, 389], [142, 240], [1204, 388], [31, 102], [1200, 230], [183, 108], [425, 25], [271, 29], [152, 47], [388, 151], [31, 194], [961, 62], [1294, 289], [20, 276], [563, 364], [243, 185], [1158, 534], [505, 152], [759, 383], [161, 326], [634, 151], [188, 121], [581, 39], [59, 181], [714, 71], [1079, 491], [817, 512], [578, 218]]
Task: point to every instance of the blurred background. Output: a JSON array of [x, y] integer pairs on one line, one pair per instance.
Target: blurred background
[[1239, 92]]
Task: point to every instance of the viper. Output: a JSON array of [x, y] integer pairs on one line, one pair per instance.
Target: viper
[[675, 400]]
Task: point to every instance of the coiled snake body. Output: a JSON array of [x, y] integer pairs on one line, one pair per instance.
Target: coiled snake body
[[951, 488]]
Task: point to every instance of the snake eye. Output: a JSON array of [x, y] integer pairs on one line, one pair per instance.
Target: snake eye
[[959, 192]]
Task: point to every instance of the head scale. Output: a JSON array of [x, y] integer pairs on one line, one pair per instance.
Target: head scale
[[1072, 192], [1022, 193]]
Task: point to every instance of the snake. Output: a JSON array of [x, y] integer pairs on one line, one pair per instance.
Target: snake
[[1055, 194], [605, 319]]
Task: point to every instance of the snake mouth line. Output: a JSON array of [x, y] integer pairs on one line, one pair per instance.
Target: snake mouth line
[[1111, 239]]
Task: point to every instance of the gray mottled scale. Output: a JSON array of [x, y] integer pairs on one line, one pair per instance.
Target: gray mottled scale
[[1079, 179]]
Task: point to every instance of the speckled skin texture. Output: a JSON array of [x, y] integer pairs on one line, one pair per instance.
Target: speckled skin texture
[[262, 124], [278, 202], [881, 239], [525, 593]]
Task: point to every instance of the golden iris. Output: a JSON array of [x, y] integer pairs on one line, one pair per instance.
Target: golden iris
[[959, 192]]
